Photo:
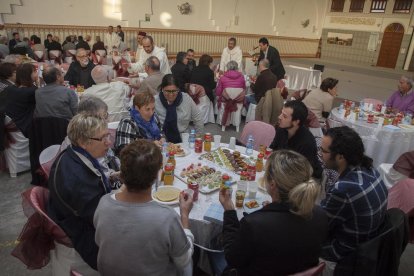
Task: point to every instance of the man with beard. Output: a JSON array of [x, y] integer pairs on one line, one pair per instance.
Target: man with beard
[[79, 72], [149, 49], [231, 52], [356, 204], [294, 135]]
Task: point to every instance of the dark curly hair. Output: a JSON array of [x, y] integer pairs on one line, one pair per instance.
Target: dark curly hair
[[140, 163], [346, 141], [328, 83], [300, 111]]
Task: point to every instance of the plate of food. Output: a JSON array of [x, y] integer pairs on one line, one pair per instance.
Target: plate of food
[[251, 205], [208, 178], [227, 159], [179, 151], [168, 195]]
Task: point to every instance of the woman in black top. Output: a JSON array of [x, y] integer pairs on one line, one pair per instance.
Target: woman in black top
[[21, 98], [180, 70], [204, 76], [286, 236]]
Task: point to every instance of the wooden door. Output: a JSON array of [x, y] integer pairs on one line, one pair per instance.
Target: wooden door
[[390, 45]]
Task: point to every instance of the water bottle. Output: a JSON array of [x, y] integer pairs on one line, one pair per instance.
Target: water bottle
[[250, 145], [341, 108], [164, 148], [191, 139], [361, 105]]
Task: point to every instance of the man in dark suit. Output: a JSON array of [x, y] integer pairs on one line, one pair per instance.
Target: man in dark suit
[[14, 41], [272, 54]]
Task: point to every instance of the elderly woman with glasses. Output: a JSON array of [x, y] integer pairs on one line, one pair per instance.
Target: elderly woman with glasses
[[143, 123], [176, 110], [77, 183]]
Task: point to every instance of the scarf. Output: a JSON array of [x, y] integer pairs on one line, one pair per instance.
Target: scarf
[[150, 128], [170, 127], [95, 164]]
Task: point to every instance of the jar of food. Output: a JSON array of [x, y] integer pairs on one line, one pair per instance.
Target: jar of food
[[259, 162], [240, 195], [207, 142], [198, 146], [224, 178], [195, 187], [168, 174], [244, 176], [251, 170], [262, 149], [171, 158]]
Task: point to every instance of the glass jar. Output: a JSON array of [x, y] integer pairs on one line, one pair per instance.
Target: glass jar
[[207, 142], [259, 162], [169, 174]]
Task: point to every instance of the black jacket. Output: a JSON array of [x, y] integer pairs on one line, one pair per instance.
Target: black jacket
[[302, 142], [181, 74], [73, 199], [265, 81], [275, 63], [204, 76], [83, 44], [54, 45], [273, 241], [74, 74], [20, 106]]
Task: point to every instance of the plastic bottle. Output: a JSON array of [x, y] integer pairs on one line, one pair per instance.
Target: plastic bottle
[[250, 145], [361, 105], [341, 108], [191, 139]]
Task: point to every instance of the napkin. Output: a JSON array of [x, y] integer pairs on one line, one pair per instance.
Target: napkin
[[214, 213]]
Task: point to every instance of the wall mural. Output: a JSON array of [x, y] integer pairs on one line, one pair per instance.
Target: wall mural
[[340, 39]]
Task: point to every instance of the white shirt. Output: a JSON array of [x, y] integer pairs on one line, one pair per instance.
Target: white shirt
[[138, 52], [235, 54], [115, 94], [111, 40], [3, 33], [138, 67]]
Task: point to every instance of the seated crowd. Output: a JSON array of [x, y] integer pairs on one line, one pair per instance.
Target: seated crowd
[[100, 188]]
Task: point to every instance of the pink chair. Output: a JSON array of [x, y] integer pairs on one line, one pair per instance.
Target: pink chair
[[314, 271], [401, 196], [47, 158], [40, 232], [263, 133], [375, 102]]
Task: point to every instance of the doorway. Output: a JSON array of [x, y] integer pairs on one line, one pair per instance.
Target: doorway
[[390, 46]]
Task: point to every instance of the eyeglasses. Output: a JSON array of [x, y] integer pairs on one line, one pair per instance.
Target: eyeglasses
[[105, 137], [171, 91]]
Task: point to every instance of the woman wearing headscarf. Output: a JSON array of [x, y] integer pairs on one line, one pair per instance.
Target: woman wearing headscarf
[[176, 110]]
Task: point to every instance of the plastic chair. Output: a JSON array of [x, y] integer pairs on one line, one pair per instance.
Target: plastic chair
[[40, 233], [313, 271], [55, 55], [47, 157], [375, 102], [17, 154], [234, 117], [263, 133], [251, 113], [39, 56], [401, 196]]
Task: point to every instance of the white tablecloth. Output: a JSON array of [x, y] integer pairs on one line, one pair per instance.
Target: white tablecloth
[[302, 78], [204, 231], [381, 144]]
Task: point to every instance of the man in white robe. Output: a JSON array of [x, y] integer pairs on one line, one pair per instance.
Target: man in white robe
[[231, 52]]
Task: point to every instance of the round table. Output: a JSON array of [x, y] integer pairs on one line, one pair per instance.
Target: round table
[[382, 144], [204, 231]]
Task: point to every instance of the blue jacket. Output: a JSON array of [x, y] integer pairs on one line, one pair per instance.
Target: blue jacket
[[75, 190]]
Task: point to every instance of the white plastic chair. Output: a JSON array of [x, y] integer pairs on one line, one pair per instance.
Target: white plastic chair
[[47, 157], [39, 55], [235, 117], [17, 155], [251, 113], [206, 109]]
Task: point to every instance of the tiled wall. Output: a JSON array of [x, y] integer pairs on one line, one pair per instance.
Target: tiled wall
[[358, 53]]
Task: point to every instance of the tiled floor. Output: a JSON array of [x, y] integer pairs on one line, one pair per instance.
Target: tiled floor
[[355, 82]]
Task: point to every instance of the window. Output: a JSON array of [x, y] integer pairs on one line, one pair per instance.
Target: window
[[378, 5], [337, 5], [357, 6], [402, 6]]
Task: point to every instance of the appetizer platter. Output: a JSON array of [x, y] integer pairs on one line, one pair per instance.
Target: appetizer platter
[[251, 205], [227, 159], [208, 178]]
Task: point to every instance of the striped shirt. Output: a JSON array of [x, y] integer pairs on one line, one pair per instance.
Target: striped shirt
[[356, 205]]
